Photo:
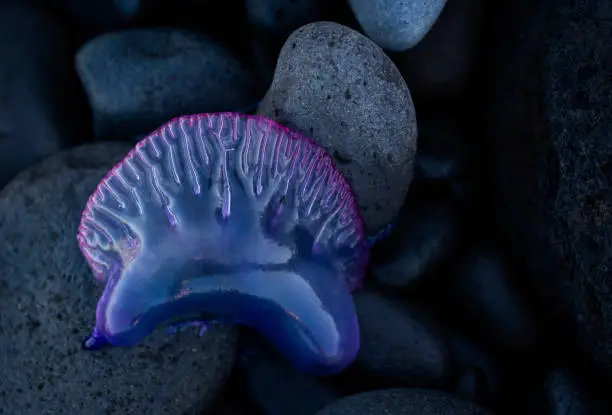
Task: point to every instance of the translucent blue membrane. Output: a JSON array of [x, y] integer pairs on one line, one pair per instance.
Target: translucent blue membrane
[[226, 215]]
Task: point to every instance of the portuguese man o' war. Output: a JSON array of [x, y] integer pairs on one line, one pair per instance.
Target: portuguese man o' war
[[228, 216]]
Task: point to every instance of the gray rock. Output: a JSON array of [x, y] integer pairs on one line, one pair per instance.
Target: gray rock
[[47, 307], [439, 66], [138, 79], [39, 101], [396, 25], [336, 86], [399, 344], [550, 126], [403, 402]]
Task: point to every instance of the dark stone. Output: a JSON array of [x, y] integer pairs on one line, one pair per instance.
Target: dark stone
[[551, 131], [484, 288], [336, 86], [280, 389], [47, 304], [400, 344], [403, 402], [440, 65], [443, 153], [138, 79], [40, 106], [567, 397], [426, 235]]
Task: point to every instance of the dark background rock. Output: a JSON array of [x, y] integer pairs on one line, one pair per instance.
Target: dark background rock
[[426, 235], [41, 107], [280, 389], [440, 65], [47, 307], [403, 402], [550, 128], [339, 88], [566, 396], [400, 344]]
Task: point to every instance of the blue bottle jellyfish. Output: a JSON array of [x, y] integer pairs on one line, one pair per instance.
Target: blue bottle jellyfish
[[228, 216]]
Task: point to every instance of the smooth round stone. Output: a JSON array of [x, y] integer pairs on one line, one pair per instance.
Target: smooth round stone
[[40, 108], [339, 88], [47, 306], [403, 402], [441, 64], [397, 25], [138, 79], [551, 131], [400, 345]]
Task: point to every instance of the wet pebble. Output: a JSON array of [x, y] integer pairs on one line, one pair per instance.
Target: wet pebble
[[440, 65], [426, 235], [486, 291], [336, 86], [40, 107], [400, 344], [403, 402], [47, 303], [396, 25], [280, 389], [138, 79]]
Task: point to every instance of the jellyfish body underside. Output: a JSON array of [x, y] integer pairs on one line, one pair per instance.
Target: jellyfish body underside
[[229, 216]]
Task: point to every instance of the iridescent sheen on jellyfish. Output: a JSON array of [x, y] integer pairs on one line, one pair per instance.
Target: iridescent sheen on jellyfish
[[232, 216]]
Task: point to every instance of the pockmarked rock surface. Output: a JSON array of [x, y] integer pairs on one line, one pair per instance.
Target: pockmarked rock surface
[[138, 79], [39, 100], [551, 130], [397, 25], [47, 306], [336, 86], [400, 345], [403, 402]]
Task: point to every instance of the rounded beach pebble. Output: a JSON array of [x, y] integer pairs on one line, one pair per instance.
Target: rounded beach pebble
[[399, 344], [339, 88], [403, 402], [139, 79], [397, 25], [47, 304]]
